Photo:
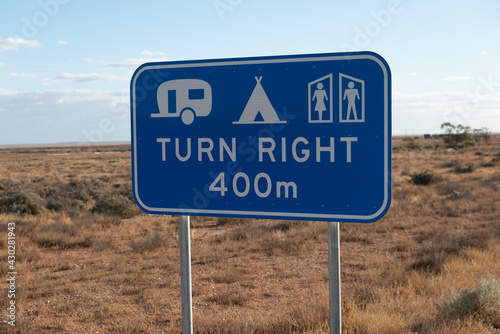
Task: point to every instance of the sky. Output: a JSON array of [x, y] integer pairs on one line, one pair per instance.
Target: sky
[[66, 65]]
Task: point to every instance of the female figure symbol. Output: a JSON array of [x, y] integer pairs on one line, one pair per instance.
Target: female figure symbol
[[320, 96]]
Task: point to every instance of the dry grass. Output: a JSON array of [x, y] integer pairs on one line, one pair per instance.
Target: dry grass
[[88, 261]]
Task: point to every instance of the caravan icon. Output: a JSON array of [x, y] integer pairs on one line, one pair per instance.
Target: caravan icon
[[184, 98]]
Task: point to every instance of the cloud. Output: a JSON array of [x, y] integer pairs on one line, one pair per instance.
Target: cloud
[[132, 62], [62, 42], [63, 115], [13, 44], [6, 92], [84, 78], [456, 78], [425, 112], [21, 76], [3, 64], [457, 104], [483, 53], [152, 53]]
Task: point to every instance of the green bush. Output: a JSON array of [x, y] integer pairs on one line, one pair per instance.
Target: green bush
[[116, 206], [457, 136], [22, 202], [424, 178], [86, 190], [60, 203], [460, 169], [483, 303]]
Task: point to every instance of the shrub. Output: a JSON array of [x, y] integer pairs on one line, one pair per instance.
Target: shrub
[[22, 202], [85, 190], [9, 184], [483, 303], [59, 203], [460, 169], [400, 148], [116, 206], [424, 178], [457, 136], [481, 134]]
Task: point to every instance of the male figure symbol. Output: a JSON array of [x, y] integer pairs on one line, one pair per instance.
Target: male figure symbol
[[351, 99], [351, 94]]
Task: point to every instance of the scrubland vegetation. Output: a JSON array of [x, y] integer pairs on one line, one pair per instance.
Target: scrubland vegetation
[[88, 261]]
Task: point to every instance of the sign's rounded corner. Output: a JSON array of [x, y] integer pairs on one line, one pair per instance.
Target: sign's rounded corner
[[138, 71], [381, 212], [141, 205], [381, 60]]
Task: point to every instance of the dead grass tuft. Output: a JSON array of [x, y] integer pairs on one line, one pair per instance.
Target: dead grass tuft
[[230, 298], [436, 251], [153, 241], [312, 317], [63, 233]]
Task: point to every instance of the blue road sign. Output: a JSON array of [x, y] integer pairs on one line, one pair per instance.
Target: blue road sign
[[291, 137]]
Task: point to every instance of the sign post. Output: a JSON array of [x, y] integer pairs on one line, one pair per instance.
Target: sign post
[[334, 277], [186, 286], [305, 137]]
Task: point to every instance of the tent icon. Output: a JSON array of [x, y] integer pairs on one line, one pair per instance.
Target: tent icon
[[259, 109]]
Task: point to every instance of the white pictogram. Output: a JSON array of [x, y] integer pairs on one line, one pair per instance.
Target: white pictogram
[[351, 99], [184, 98], [320, 98], [259, 109]]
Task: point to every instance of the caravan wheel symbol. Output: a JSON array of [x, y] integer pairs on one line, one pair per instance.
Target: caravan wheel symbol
[[184, 98]]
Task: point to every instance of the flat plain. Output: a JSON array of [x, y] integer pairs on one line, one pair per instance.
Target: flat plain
[[89, 261]]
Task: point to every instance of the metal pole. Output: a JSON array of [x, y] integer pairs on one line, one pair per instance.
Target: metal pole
[[186, 292], [334, 277]]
